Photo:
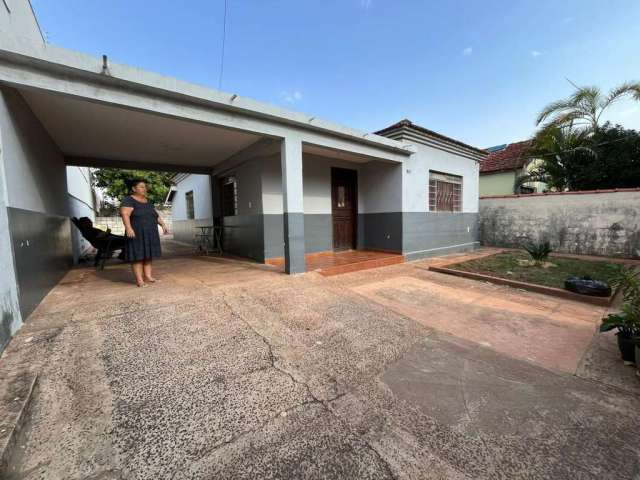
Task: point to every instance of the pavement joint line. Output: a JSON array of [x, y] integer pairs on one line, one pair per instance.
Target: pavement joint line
[[323, 403], [6, 450]]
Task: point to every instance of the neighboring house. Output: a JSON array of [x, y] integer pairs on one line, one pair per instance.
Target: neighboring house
[[282, 183], [505, 164], [191, 205]]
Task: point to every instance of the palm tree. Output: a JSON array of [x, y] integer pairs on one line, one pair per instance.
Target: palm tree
[[584, 108], [564, 152]]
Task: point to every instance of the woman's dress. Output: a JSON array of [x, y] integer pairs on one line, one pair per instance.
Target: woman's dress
[[144, 221]]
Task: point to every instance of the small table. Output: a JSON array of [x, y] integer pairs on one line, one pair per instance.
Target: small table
[[209, 240]]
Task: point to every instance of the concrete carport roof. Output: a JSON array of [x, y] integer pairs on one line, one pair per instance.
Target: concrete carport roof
[[106, 114]]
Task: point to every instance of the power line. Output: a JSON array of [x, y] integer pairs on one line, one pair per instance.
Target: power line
[[224, 38]]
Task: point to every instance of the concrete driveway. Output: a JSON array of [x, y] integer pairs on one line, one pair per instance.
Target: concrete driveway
[[230, 370]]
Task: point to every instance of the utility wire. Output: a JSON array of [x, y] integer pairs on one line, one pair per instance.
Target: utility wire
[[224, 38]]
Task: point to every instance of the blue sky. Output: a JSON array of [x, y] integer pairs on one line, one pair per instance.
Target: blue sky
[[477, 71]]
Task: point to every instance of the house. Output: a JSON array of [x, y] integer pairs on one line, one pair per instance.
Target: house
[[504, 166], [427, 205], [282, 183]]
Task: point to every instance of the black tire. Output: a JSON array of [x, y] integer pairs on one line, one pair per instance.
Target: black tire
[[587, 286]]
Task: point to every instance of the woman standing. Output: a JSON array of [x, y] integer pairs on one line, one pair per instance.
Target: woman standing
[[141, 222]]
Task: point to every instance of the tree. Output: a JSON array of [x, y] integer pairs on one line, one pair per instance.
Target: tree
[[578, 160], [584, 107], [114, 182]]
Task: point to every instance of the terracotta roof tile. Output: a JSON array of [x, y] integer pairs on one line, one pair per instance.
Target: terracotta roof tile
[[512, 157]]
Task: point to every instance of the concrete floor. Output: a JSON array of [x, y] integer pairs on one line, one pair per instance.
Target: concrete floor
[[231, 370]]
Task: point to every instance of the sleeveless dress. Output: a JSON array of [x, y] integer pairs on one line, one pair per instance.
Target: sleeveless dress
[[144, 221]]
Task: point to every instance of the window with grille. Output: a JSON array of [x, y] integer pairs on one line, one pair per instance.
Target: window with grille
[[445, 192], [229, 196], [189, 201]]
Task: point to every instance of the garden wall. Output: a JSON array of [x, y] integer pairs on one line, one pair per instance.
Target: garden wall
[[114, 223], [600, 222]]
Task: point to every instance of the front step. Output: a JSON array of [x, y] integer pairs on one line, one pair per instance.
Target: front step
[[363, 265]]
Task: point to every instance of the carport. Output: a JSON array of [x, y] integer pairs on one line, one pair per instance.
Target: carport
[[63, 108]]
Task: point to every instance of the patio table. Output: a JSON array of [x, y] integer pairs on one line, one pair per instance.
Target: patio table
[[209, 240]]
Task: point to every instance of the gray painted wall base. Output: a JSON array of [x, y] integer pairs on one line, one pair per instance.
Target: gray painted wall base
[[294, 244], [426, 231], [410, 256], [42, 254], [416, 235], [243, 235], [185, 230], [318, 234], [380, 231]]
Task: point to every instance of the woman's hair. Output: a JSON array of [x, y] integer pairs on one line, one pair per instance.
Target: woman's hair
[[133, 182]]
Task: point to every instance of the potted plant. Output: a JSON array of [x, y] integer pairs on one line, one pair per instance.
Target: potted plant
[[627, 320]]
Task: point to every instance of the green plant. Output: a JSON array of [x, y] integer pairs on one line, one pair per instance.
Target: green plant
[[627, 320], [539, 251], [575, 159], [627, 281], [114, 183]]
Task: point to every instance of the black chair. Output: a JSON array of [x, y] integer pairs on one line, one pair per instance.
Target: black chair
[[105, 243]]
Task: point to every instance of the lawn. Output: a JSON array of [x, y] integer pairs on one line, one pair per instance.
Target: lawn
[[505, 265]]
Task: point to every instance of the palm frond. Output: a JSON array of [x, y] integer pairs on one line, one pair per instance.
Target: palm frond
[[554, 108], [586, 95], [562, 119], [627, 88]]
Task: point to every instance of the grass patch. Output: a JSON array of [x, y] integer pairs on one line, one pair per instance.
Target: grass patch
[[505, 265]]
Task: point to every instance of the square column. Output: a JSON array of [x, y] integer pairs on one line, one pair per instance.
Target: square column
[[292, 204]]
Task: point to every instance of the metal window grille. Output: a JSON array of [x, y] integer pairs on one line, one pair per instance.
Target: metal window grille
[[445, 192]]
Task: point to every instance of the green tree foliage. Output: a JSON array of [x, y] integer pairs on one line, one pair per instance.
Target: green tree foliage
[[114, 182], [583, 160]]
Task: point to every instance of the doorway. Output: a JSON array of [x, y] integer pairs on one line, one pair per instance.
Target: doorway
[[344, 208]]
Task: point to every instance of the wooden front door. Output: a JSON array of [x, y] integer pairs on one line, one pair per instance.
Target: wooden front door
[[344, 207]]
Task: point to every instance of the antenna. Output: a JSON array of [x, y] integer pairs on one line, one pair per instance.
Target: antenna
[[224, 38]]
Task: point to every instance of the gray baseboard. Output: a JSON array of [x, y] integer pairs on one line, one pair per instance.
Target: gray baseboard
[[42, 254]]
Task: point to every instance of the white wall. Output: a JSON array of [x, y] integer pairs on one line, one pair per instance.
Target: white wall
[[10, 319], [599, 223], [35, 241], [36, 175], [380, 185], [415, 175], [81, 204], [17, 19], [316, 179], [201, 187]]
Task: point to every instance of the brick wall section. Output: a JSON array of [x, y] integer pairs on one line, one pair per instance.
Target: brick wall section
[[115, 223], [605, 223]]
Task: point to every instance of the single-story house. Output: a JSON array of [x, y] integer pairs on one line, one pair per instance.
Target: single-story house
[[504, 166], [426, 206], [282, 183]]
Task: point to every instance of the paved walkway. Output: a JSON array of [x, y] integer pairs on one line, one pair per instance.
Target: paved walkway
[[231, 370]]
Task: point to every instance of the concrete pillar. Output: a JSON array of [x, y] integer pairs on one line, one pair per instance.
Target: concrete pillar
[[291, 159]]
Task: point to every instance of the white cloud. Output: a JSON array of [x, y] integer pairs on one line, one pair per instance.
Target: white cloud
[[467, 51], [291, 97], [535, 53], [366, 4]]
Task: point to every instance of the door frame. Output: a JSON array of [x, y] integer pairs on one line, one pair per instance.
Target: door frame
[[354, 208]]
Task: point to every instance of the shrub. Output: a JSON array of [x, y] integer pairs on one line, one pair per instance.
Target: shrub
[[538, 251]]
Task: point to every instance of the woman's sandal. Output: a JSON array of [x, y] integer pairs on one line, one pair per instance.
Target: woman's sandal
[[142, 285]]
